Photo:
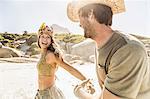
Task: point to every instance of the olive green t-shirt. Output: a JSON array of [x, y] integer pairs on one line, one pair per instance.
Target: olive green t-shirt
[[128, 72]]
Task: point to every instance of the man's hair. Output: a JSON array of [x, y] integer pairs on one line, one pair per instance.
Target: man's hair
[[102, 13]]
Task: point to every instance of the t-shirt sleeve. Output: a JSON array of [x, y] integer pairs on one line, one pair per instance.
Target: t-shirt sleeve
[[126, 71]]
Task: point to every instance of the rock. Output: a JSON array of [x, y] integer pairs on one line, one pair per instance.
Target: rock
[[7, 53], [18, 52], [72, 59], [59, 29], [62, 46], [92, 58], [1, 45], [66, 47], [36, 56], [81, 62], [4, 42], [69, 57], [148, 52], [23, 47], [8, 36], [31, 40], [33, 50], [84, 49]]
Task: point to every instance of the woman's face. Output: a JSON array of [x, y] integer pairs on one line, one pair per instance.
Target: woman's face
[[44, 41]]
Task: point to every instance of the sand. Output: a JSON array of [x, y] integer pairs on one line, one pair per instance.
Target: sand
[[19, 80]]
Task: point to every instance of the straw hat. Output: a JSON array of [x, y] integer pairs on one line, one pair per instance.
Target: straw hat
[[74, 6]]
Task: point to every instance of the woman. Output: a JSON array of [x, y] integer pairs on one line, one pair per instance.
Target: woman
[[48, 65]]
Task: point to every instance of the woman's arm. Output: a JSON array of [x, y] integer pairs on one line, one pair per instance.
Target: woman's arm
[[70, 69]]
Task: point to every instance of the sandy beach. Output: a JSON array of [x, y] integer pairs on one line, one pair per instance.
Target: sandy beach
[[19, 80]]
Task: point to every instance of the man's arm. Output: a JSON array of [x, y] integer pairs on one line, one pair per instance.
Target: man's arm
[[107, 95]]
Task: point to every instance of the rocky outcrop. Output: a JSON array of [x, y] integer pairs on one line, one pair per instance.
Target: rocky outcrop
[[23, 47], [59, 29], [84, 49], [1, 45], [74, 46], [65, 47], [30, 46], [33, 50], [32, 39], [7, 53]]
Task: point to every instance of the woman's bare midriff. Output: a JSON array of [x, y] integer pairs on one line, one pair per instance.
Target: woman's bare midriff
[[45, 81]]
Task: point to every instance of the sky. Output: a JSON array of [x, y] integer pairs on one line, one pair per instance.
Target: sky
[[17, 16]]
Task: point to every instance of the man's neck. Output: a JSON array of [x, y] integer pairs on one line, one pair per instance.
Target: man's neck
[[103, 35]]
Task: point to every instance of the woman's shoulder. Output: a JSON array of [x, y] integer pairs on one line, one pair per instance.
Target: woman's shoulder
[[50, 55]]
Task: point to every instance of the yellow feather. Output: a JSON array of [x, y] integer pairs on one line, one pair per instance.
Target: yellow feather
[[43, 26]]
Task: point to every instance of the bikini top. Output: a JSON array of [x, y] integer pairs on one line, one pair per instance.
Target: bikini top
[[45, 69]]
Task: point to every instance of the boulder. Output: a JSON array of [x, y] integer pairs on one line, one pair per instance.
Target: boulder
[[1, 45], [23, 47], [7, 53], [33, 50], [65, 47], [72, 59], [69, 57], [31, 40], [84, 49], [92, 59]]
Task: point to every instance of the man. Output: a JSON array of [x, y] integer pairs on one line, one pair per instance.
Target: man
[[122, 62]]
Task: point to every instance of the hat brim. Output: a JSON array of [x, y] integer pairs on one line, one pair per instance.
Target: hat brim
[[73, 7]]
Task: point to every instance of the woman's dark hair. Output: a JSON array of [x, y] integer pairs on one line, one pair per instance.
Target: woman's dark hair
[[102, 13], [51, 47]]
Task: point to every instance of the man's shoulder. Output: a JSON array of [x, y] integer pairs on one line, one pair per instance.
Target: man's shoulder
[[129, 39]]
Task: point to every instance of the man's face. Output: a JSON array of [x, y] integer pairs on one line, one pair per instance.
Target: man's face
[[87, 26]]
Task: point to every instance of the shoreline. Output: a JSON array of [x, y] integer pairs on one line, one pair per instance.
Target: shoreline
[[18, 60]]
